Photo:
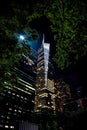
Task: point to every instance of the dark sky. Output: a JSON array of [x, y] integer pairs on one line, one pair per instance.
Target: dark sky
[[75, 75]]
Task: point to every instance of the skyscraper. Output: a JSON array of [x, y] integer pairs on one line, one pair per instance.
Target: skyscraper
[[17, 101], [62, 94], [44, 94]]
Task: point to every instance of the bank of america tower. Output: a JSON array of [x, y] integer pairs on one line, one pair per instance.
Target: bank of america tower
[[44, 95]]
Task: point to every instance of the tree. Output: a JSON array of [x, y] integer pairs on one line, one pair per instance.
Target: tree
[[55, 125], [11, 48], [68, 25]]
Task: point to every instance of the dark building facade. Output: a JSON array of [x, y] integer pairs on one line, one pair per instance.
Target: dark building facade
[[62, 94], [16, 102]]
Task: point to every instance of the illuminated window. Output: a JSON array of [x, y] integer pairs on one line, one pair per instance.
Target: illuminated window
[[2, 116], [6, 126], [43, 95], [13, 93], [18, 95], [1, 125], [8, 117], [12, 127], [19, 111], [15, 110], [9, 92]]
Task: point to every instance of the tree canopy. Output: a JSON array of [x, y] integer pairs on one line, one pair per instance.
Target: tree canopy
[[12, 24], [67, 23]]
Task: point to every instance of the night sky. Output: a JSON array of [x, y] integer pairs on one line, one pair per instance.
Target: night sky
[[75, 75]]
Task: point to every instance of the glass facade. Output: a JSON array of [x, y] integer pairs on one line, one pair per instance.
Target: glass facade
[[16, 102], [44, 84], [46, 60]]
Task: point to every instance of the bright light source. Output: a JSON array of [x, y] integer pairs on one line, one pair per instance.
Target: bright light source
[[21, 37], [6, 126], [12, 127]]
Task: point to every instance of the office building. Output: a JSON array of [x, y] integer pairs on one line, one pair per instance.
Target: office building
[[62, 94], [17, 101], [44, 92]]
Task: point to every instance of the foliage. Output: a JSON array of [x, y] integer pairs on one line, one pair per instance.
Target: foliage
[[75, 119], [71, 35], [68, 25], [11, 48], [55, 125]]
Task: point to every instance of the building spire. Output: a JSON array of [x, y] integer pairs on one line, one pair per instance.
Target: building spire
[[43, 39]]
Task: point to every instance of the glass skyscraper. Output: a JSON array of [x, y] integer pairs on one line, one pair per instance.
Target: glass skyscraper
[[44, 92], [17, 102]]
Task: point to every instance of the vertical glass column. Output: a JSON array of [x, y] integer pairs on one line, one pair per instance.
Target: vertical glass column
[[46, 60]]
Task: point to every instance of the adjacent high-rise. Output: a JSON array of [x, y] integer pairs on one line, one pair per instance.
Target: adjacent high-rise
[[62, 94], [17, 101]]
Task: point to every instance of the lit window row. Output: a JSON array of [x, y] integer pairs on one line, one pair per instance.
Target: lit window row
[[22, 90], [28, 86], [40, 58], [40, 63], [6, 126], [25, 82], [43, 95]]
